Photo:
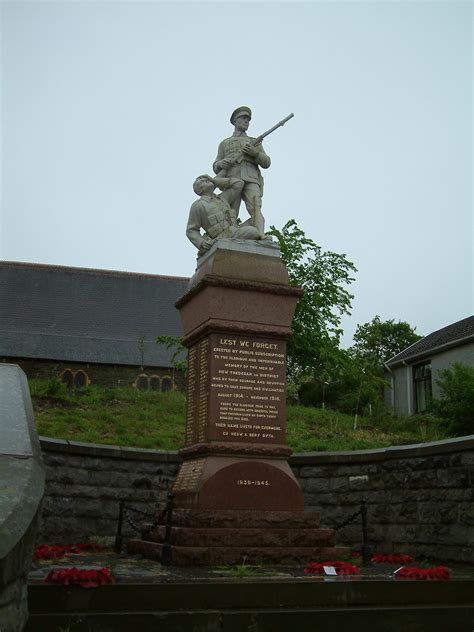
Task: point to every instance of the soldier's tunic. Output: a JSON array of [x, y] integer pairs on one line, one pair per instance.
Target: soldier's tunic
[[213, 214], [245, 168]]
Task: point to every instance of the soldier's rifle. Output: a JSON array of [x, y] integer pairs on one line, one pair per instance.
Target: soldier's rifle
[[256, 141]]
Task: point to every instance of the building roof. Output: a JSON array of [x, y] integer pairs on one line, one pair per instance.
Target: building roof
[[87, 315], [458, 333]]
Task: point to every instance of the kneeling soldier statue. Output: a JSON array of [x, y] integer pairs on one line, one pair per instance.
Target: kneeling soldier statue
[[215, 215]]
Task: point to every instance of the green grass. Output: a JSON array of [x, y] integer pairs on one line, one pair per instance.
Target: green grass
[[313, 429], [117, 416], [128, 417]]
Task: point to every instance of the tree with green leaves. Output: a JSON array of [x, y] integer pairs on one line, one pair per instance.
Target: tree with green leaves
[[377, 341], [374, 343], [313, 349], [456, 404]]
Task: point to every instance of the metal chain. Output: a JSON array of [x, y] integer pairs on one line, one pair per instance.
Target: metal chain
[[348, 521], [156, 520], [130, 521], [147, 514]]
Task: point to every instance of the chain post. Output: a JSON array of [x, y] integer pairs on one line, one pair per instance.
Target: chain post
[[166, 550], [366, 548], [118, 536]]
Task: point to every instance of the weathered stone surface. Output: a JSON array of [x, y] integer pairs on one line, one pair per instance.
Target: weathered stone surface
[[14, 606], [22, 488], [84, 490], [314, 485]]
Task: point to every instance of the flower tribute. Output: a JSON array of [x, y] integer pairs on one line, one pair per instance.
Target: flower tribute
[[436, 573], [392, 558], [87, 578], [55, 552], [342, 568]]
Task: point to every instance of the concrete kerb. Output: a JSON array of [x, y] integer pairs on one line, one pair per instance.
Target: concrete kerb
[[49, 444], [384, 454], [110, 451]]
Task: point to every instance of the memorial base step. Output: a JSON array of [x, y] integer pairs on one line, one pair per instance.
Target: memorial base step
[[246, 519], [233, 555], [216, 537], [238, 537]]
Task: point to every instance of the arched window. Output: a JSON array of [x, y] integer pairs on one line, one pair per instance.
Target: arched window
[[67, 377], [142, 382], [166, 384], [155, 383], [80, 379], [146, 382]]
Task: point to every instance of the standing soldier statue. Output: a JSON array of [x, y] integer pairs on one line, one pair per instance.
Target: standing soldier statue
[[240, 156]]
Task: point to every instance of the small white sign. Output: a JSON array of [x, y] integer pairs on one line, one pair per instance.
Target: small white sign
[[330, 570]]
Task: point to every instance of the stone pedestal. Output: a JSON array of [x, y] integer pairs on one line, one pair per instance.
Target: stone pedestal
[[236, 319]]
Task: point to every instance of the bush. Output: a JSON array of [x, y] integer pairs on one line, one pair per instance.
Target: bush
[[48, 388], [456, 405]]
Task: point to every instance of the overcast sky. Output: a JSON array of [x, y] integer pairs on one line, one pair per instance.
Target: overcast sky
[[111, 109]]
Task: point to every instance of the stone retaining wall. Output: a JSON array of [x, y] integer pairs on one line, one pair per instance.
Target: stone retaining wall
[[420, 498], [85, 483]]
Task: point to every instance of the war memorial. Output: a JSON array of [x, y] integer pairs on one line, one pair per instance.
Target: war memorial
[[235, 494]]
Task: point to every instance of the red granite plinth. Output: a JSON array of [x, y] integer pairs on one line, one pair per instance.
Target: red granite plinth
[[236, 319], [238, 482]]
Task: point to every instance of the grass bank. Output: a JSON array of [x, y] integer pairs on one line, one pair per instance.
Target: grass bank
[[128, 417]]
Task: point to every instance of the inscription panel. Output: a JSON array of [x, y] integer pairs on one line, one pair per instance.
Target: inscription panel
[[248, 389], [197, 393], [191, 394], [189, 475]]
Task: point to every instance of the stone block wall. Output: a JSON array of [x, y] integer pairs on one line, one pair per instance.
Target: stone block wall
[[85, 483], [420, 498]]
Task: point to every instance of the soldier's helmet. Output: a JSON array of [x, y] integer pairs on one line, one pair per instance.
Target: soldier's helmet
[[199, 182], [243, 109]]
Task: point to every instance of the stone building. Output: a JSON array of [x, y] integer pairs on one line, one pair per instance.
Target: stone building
[[89, 326], [413, 372]]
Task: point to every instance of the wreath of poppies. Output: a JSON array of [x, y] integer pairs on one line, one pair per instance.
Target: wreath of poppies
[[436, 573], [392, 558], [87, 578], [55, 552], [342, 568]]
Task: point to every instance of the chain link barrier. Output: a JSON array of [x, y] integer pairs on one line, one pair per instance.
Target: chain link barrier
[[348, 521], [362, 512], [157, 519]]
